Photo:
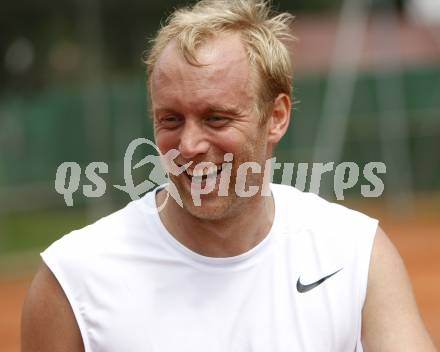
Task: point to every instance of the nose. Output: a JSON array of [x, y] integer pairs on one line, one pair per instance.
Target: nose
[[193, 141]]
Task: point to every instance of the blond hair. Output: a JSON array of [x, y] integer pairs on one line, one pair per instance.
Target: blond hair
[[266, 38]]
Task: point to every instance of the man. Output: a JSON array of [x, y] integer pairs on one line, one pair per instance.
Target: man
[[273, 270]]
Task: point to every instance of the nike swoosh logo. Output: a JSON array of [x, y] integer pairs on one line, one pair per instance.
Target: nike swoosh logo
[[304, 288]]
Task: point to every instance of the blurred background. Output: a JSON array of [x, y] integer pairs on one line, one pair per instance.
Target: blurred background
[[72, 88]]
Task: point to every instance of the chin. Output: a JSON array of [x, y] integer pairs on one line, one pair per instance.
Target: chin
[[212, 207]]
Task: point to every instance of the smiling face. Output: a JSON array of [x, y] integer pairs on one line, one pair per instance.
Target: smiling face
[[206, 112]]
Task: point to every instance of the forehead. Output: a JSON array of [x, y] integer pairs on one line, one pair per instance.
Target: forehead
[[223, 78]]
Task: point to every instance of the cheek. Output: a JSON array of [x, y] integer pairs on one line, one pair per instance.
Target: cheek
[[166, 140], [237, 139], [228, 141]]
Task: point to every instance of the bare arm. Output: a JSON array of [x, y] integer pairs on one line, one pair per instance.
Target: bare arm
[[48, 323], [391, 321]]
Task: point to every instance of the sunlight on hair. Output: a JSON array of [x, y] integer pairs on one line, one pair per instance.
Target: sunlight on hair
[[266, 36]]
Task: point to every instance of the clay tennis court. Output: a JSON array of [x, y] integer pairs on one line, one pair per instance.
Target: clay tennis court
[[417, 237]]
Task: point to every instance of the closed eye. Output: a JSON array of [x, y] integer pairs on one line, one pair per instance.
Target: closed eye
[[171, 121], [217, 120]]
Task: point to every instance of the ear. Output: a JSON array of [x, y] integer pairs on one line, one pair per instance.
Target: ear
[[279, 119]]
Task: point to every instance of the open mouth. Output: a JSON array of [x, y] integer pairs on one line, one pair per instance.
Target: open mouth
[[202, 174]]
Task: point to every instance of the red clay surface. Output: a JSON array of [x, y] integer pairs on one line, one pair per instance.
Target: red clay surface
[[416, 237], [12, 293]]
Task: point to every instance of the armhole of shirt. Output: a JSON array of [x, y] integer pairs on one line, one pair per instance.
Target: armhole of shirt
[[56, 270], [366, 253], [365, 250]]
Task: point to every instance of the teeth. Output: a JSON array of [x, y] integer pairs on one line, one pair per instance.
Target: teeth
[[198, 172], [206, 171], [212, 170]]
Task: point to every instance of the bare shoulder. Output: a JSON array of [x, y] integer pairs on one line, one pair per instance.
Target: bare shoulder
[[48, 322], [390, 319]]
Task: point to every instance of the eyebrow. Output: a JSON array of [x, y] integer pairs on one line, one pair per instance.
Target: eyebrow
[[209, 110], [163, 111], [224, 110]]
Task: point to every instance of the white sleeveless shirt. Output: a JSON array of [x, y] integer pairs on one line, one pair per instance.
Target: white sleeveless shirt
[[133, 287]]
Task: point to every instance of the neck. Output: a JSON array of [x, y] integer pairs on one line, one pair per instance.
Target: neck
[[219, 238]]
